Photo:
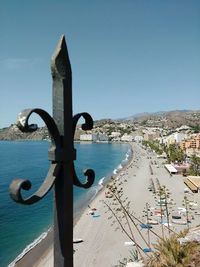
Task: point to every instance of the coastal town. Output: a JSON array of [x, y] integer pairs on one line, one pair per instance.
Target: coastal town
[[172, 127], [185, 136], [173, 135]]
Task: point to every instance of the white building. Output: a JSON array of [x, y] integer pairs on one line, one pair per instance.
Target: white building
[[127, 138], [103, 137], [89, 137], [174, 138], [115, 134], [171, 169], [86, 137], [138, 138]]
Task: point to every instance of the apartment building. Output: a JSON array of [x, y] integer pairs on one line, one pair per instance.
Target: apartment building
[[191, 145], [174, 138]]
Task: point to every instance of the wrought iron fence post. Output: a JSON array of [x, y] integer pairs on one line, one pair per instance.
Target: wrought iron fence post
[[62, 154], [62, 114]]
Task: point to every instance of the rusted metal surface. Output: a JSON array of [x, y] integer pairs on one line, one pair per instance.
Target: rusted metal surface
[[61, 174]]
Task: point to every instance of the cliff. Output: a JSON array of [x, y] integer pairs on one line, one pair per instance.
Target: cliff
[[13, 133]]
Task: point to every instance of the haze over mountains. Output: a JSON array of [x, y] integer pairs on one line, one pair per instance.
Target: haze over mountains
[[158, 113], [171, 119]]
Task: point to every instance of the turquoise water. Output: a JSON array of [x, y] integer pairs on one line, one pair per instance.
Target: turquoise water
[[19, 224]]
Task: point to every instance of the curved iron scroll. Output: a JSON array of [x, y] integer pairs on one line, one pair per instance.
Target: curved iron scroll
[[88, 125], [18, 184], [22, 123]]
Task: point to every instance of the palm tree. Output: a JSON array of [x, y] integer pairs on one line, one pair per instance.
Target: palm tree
[[195, 165]]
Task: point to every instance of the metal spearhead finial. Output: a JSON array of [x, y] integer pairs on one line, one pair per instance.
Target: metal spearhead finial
[[60, 64]]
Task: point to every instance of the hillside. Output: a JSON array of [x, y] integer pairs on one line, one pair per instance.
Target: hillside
[[13, 133], [166, 120]]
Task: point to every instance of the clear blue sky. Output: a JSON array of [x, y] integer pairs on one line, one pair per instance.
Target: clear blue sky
[[127, 56]]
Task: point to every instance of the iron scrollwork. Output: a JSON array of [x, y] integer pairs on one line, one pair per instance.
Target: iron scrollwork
[[55, 152], [88, 125], [18, 184]]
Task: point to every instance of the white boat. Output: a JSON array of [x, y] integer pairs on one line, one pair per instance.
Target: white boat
[[179, 222], [129, 243], [181, 209], [166, 224], [153, 222]]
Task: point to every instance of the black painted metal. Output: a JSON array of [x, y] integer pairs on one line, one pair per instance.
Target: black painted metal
[[62, 154]]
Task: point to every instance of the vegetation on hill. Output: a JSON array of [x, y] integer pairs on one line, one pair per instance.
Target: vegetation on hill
[[13, 133], [195, 128], [169, 119], [195, 166]]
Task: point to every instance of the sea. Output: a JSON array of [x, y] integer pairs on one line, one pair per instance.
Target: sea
[[22, 226]]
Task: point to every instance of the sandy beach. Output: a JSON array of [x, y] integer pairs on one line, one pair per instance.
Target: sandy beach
[[103, 245]]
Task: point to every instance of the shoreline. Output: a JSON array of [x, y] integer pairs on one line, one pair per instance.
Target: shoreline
[[30, 257], [105, 184], [38, 252]]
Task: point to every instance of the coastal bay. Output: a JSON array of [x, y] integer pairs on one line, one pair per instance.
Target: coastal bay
[[22, 227]]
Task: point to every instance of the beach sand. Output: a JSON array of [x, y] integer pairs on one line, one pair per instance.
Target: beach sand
[[102, 246]]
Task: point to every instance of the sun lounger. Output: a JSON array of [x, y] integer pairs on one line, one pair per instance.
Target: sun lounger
[[96, 215], [145, 226], [146, 250], [129, 243]]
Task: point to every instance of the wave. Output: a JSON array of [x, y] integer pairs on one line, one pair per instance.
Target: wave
[[119, 167], [124, 162], [99, 187], [28, 248], [101, 181], [115, 171], [128, 155]]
